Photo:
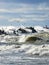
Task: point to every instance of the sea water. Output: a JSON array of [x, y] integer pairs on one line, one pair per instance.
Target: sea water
[[35, 52]]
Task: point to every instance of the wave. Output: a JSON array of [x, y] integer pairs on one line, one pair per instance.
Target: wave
[[27, 49], [42, 50], [35, 50], [25, 34], [25, 38], [11, 30], [21, 38]]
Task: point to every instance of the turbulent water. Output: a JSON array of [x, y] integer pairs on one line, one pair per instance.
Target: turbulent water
[[26, 49]]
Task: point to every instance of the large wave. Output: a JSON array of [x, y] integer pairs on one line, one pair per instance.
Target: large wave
[[25, 38]]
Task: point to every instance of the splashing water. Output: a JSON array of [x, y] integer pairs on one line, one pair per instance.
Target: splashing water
[[25, 49]]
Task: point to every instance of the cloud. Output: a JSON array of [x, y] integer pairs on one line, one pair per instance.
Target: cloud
[[4, 10], [29, 18], [17, 20], [25, 12], [38, 19], [16, 10], [35, 16], [23, 8]]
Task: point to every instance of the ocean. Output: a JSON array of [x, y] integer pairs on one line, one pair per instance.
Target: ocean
[[32, 49]]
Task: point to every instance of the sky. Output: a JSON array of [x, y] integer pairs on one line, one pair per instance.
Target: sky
[[24, 12]]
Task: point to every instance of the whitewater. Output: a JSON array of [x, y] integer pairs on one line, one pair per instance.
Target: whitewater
[[24, 48]]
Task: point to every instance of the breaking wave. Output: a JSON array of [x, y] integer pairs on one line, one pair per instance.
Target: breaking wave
[[25, 38], [34, 50], [36, 44]]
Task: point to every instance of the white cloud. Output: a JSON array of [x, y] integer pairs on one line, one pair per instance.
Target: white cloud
[[36, 10], [38, 19], [35, 16], [16, 20], [26, 19], [25, 9], [5, 11], [17, 10]]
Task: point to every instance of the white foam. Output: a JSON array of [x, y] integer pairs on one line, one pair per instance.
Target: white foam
[[9, 39], [6, 47], [40, 50], [22, 38], [40, 29]]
